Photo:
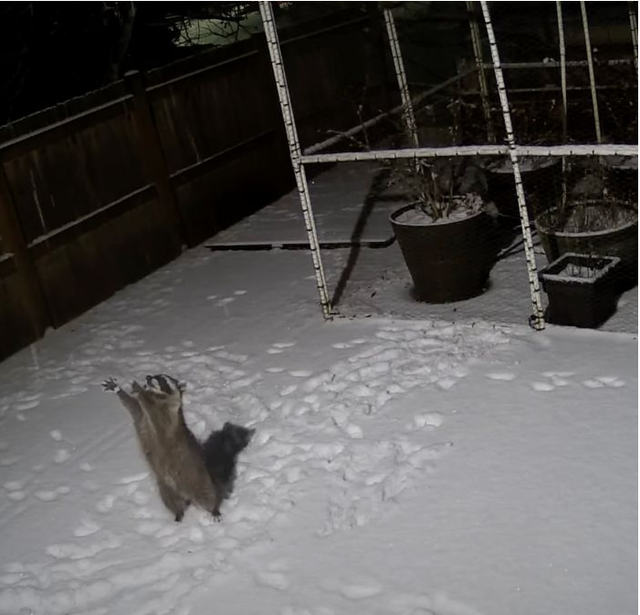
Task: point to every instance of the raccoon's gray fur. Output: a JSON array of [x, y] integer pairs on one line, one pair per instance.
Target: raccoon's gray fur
[[221, 451], [174, 454]]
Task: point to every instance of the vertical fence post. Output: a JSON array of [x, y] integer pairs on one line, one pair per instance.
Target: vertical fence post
[[13, 238], [537, 318], [153, 158]]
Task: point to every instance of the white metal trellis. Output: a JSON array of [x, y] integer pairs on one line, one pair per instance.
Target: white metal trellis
[[275, 54], [401, 76], [563, 68], [537, 320], [482, 79], [592, 75], [633, 24], [312, 154]]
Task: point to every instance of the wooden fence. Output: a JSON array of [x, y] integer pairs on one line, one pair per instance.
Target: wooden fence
[[99, 191]]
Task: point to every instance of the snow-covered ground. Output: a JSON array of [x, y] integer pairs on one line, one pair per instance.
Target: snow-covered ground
[[399, 467], [374, 281]]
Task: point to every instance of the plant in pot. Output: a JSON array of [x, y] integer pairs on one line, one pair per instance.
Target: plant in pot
[[447, 232], [591, 219]]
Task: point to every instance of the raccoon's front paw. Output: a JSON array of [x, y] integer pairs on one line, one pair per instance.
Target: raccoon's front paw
[[110, 385], [217, 517]]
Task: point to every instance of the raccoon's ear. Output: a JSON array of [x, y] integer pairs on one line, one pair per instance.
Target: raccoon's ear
[[251, 432]]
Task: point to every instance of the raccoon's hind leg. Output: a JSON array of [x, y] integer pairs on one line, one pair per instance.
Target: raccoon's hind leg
[[173, 501]]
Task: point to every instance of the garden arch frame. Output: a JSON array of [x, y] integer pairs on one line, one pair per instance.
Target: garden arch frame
[[313, 155]]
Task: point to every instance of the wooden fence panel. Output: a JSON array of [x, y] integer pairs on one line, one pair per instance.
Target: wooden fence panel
[[103, 189], [66, 180]]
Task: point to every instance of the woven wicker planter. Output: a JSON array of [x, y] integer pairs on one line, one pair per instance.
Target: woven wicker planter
[[581, 289], [448, 261]]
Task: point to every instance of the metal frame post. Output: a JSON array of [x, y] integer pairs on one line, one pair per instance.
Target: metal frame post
[[482, 79], [592, 76], [275, 53], [537, 318], [563, 68], [401, 76], [633, 24]]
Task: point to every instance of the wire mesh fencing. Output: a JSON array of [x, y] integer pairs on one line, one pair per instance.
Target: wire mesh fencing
[[505, 160]]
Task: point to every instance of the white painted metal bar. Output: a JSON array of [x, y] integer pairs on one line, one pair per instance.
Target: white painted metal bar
[[401, 76], [482, 79], [563, 68], [551, 63], [592, 76], [633, 23], [537, 318], [474, 150], [275, 54]]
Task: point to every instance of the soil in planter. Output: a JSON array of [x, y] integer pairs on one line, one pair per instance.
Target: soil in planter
[[613, 232], [447, 261]]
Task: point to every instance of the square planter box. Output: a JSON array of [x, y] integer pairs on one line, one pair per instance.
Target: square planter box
[[581, 289]]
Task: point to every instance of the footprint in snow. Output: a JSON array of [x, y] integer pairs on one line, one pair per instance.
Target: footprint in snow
[[14, 489], [559, 379], [47, 495], [61, 455], [360, 591], [280, 347], [87, 527], [446, 383], [300, 373], [430, 419], [275, 580], [604, 381], [501, 376], [27, 405], [542, 387]]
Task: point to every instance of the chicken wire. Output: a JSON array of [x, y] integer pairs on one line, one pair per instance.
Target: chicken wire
[[577, 160]]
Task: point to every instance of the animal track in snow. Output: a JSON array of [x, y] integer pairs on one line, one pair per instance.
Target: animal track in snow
[[542, 387], [360, 591], [430, 419], [61, 455], [279, 347], [225, 301], [275, 580], [87, 527], [604, 381], [300, 373], [501, 376]]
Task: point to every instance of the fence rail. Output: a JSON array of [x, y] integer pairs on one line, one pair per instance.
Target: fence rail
[[99, 191]]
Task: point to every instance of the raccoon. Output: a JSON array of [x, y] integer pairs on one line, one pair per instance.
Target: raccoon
[[173, 453], [221, 451]]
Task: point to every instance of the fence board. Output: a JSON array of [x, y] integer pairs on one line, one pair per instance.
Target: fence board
[[105, 188]]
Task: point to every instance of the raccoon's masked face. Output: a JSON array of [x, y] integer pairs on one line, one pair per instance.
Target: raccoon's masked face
[[162, 383]]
